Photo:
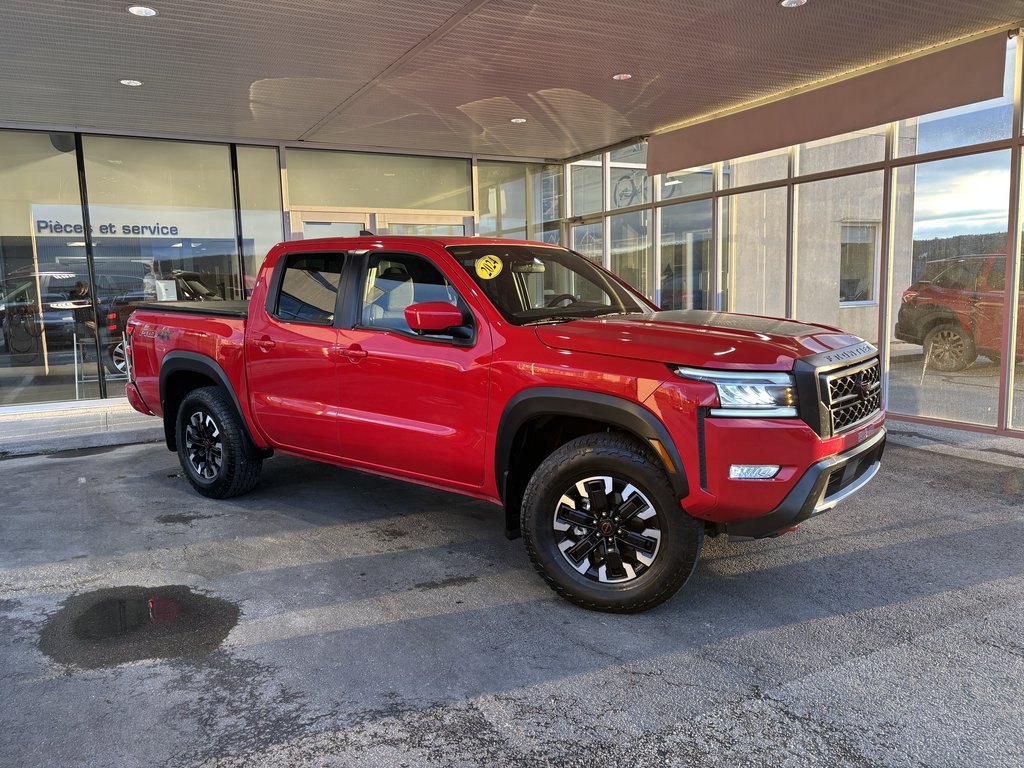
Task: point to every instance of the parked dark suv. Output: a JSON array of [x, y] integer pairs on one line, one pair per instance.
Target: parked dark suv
[[955, 310]]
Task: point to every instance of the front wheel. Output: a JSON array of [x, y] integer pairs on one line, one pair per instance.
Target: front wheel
[[604, 528], [213, 448], [949, 348]]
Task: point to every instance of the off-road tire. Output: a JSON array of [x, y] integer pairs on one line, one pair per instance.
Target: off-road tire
[[949, 348], [621, 459], [209, 428]]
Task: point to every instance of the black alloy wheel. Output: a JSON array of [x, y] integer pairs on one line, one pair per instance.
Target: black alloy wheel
[[213, 447], [607, 530], [203, 446]]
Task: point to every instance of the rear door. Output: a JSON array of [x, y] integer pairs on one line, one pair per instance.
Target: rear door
[[291, 365], [413, 404]]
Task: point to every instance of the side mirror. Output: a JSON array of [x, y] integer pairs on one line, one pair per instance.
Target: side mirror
[[433, 316]]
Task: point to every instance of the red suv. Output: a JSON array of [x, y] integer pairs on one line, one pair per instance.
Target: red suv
[[955, 310]]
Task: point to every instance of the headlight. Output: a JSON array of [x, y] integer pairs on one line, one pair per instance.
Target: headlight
[[748, 393]]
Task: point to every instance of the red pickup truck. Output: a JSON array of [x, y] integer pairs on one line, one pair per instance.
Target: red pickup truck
[[615, 435]]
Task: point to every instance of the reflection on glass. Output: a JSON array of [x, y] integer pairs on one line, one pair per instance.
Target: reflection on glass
[[450, 230], [587, 186], [685, 256], [588, 240], [756, 169], [1017, 370], [972, 124], [314, 229], [631, 248], [949, 292], [856, 148], [319, 177], [695, 181], [48, 325], [630, 186], [753, 232], [163, 220], [259, 189], [838, 247], [519, 200]]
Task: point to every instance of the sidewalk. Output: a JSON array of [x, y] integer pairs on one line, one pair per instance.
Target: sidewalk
[[71, 426]]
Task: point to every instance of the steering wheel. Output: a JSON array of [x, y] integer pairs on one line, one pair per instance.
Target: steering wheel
[[554, 300]]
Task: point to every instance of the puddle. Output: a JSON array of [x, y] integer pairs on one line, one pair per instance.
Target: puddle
[[74, 454], [121, 624]]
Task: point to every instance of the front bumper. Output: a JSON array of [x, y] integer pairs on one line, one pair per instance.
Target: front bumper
[[822, 487]]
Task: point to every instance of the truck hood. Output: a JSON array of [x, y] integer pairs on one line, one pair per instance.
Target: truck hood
[[698, 338]]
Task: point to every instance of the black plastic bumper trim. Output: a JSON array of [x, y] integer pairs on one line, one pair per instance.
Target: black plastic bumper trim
[[808, 496]]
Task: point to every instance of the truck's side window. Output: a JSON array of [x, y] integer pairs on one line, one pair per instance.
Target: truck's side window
[[309, 287], [395, 281]]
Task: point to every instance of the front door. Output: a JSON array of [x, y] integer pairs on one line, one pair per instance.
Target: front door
[[413, 403]]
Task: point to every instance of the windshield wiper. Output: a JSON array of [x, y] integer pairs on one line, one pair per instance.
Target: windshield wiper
[[553, 319]]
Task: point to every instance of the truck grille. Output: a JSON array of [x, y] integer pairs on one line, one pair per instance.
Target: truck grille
[[852, 395]]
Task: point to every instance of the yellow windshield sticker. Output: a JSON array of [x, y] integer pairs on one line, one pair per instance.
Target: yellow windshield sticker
[[488, 267]]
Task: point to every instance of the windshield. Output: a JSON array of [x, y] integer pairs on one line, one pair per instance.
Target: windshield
[[539, 284]]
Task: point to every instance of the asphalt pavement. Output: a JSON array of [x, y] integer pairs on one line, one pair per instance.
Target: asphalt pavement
[[331, 618]]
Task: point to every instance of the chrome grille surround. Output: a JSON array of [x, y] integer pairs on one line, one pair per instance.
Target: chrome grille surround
[[852, 395]]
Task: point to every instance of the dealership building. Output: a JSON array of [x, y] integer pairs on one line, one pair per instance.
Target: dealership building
[[158, 157]]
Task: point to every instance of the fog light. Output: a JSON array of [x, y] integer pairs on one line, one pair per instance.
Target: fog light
[[753, 471]]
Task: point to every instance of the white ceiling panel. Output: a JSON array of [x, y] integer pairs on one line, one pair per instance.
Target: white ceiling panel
[[443, 76]]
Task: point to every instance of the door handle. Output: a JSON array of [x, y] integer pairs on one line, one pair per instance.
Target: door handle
[[355, 353], [266, 343]]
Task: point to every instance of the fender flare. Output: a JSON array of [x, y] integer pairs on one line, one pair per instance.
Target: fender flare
[[193, 362], [617, 411]]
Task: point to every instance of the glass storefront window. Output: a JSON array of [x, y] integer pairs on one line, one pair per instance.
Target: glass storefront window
[[756, 169], [856, 148], [163, 217], [695, 181], [519, 200], [319, 178], [47, 322], [948, 291], [973, 124], [588, 240], [685, 256], [838, 247], [259, 192], [630, 184], [587, 177], [631, 248], [753, 232]]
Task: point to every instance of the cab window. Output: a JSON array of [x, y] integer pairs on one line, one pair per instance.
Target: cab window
[[396, 281], [309, 288]]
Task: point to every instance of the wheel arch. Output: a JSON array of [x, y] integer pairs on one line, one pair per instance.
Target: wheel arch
[[182, 372], [573, 413]]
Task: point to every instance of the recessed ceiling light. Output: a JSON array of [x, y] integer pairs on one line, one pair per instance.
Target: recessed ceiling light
[[622, 76], [132, 83], [142, 10], [792, 3], [518, 120]]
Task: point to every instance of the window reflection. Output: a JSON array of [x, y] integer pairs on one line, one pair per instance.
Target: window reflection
[[948, 288], [685, 255], [753, 232]]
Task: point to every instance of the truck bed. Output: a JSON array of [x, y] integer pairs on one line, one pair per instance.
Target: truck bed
[[236, 309]]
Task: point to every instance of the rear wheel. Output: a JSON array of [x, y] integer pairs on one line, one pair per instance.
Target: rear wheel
[[213, 448], [115, 361], [949, 348], [604, 528]]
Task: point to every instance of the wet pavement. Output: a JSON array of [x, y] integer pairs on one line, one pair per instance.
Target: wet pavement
[[331, 618]]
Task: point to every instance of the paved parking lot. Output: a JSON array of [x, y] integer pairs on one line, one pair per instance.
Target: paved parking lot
[[331, 618]]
